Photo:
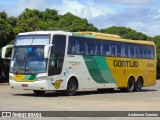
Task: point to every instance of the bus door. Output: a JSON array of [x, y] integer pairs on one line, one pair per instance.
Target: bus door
[[57, 55]]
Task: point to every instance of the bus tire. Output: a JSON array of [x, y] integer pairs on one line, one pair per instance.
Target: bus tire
[[130, 85], [39, 92], [71, 87], [139, 84]]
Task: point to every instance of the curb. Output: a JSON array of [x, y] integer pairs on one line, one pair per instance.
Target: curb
[[4, 83]]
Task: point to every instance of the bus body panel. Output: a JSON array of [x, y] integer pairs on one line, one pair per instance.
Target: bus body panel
[[91, 71], [84, 73], [37, 85], [122, 71]]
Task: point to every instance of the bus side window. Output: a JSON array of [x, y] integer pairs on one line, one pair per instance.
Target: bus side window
[[113, 49], [97, 48], [71, 46], [126, 50], [86, 47], [118, 49], [136, 51], [129, 51], [77, 47], [106, 48], [81, 47], [91, 44], [142, 51], [123, 50], [150, 52]]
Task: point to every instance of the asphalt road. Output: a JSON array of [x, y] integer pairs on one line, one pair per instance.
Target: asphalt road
[[20, 100]]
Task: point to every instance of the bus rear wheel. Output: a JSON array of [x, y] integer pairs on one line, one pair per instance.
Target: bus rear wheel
[[71, 87], [130, 85], [138, 85], [39, 92]]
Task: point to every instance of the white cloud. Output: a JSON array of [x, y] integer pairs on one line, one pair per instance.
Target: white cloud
[[150, 29], [21, 5], [83, 10], [145, 20], [101, 14], [88, 10], [131, 2]]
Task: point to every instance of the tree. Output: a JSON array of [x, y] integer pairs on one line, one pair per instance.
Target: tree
[[156, 39], [6, 29], [49, 19], [126, 33], [70, 22]]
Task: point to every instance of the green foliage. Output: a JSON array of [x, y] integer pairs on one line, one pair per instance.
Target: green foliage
[[70, 22], [156, 39], [126, 33], [6, 29], [32, 20]]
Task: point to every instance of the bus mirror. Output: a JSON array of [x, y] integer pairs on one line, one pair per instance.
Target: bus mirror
[[4, 51], [46, 51]]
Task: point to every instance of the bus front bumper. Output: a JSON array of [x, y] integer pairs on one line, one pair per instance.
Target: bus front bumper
[[37, 85]]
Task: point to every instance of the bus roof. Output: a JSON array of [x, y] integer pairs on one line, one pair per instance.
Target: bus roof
[[100, 34], [90, 35], [45, 33], [114, 38]]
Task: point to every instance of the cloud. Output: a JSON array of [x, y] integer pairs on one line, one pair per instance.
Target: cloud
[[141, 15], [88, 10], [141, 19], [130, 2], [148, 24], [84, 10], [18, 6]]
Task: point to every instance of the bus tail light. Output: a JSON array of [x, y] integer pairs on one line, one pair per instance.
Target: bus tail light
[[42, 78]]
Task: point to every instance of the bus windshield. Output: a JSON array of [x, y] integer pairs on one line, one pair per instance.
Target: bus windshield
[[28, 60]]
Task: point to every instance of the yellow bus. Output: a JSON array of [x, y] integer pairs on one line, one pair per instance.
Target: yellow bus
[[65, 61]]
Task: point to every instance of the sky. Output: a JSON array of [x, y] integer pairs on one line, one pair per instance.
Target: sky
[[140, 15]]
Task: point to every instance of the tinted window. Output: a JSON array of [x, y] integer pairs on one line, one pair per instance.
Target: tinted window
[[57, 54], [98, 47], [106, 48], [97, 50]]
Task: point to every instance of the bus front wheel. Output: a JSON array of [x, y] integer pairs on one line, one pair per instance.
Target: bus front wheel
[[71, 87], [39, 92]]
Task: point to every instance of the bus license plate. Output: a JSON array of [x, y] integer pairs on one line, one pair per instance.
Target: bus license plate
[[24, 85]]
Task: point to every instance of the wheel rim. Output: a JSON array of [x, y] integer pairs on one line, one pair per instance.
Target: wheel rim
[[139, 85], [72, 88], [131, 85]]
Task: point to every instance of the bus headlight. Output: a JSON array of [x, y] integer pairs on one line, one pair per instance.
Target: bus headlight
[[11, 78], [41, 78]]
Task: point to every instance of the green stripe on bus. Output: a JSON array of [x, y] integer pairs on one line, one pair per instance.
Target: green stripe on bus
[[30, 77], [99, 69], [83, 35]]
